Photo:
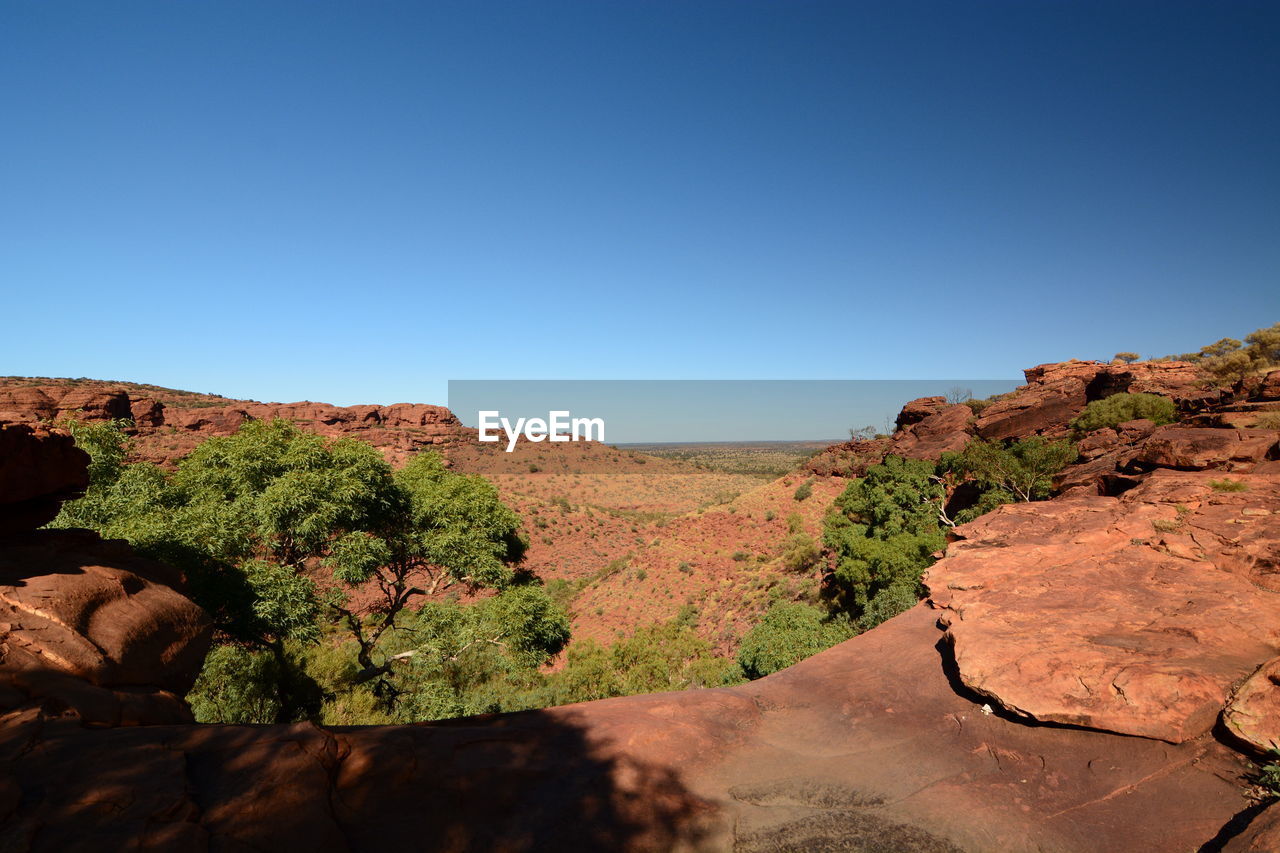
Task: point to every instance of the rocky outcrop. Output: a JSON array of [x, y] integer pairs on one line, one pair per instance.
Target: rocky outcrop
[[1254, 713], [1194, 449], [39, 468], [1091, 645], [1055, 394], [866, 746], [164, 433], [87, 628], [1135, 614]]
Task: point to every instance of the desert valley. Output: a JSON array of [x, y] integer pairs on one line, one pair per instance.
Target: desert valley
[[1051, 618]]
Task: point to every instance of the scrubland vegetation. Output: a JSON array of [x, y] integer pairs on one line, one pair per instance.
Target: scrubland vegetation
[[348, 593]]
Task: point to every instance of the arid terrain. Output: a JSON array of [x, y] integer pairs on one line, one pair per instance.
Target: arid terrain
[[1094, 671]]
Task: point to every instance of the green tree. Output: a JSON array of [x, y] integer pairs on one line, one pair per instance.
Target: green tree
[[883, 529], [1126, 357], [789, 632], [1023, 469]]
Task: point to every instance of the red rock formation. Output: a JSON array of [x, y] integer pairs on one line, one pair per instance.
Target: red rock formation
[[87, 628], [39, 468], [1254, 712], [1055, 394], [1194, 449], [1135, 614]]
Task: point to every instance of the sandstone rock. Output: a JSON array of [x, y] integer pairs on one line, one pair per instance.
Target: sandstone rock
[[1270, 388], [1056, 393], [1098, 442], [943, 431], [1198, 448], [28, 403], [76, 605], [91, 404], [1254, 712], [1072, 611], [1262, 835], [919, 409], [866, 746], [212, 420], [39, 468], [146, 413]]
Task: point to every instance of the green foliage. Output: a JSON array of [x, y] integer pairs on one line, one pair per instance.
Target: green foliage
[[804, 490], [1269, 774], [800, 552], [239, 685], [789, 632], [1230, 360], [897, 598], [1126, 357], [1118, 408], [883, 529], [1228, 485], [1023, 470]]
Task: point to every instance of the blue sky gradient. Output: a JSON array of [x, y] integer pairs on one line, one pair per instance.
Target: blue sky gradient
[[356, 202]]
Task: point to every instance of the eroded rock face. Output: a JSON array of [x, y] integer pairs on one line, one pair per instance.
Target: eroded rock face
[[1254, 712], [1197, 449], [1055, 394], [1134, 614], [89, 628], [39, 468]]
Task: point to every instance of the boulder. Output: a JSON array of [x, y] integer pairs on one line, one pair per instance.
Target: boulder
[[1195, 449], [76, 605], [1055, 394], [917, 410], [39, 468], [1254, 713], [26, 403], [943, 431], [92, 404], [146, 413], [1134, 614], [1270, 387], [1262, 835]]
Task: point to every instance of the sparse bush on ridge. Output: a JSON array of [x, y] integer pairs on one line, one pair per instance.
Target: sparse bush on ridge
[[804, 490], [1119, 408]]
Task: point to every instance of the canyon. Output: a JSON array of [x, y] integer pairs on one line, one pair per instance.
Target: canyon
[[1097, 671]]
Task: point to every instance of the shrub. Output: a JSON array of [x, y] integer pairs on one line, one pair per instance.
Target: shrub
[[1118, 408], [1267, 420], [883, 529], [770, 515], [741, 556], [685, 568], [1228, 485], [795, 522], [800, 553], [804, 490], [1126, 357], [1024, 470], [789, 632], [1269, 775]]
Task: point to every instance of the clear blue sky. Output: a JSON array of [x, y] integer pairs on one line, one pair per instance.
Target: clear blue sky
[[357, 201]]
